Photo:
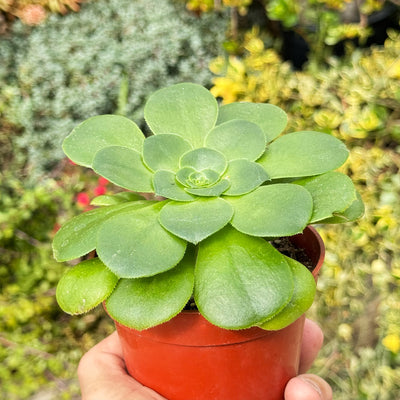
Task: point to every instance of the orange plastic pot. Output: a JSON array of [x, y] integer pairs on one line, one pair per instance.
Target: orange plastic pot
[[187, 358]]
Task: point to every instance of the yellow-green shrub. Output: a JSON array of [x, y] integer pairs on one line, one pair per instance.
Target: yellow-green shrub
[[354, 99]]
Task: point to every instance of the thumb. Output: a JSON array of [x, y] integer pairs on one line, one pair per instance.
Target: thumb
[[308, 387]]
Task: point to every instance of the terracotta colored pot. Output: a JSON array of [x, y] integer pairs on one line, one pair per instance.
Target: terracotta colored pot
[[187, 358]]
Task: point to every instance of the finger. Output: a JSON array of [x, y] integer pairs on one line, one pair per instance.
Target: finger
[[312, 343], [102, 374], [308, 387]]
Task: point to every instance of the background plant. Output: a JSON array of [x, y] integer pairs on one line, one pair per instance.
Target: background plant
[[54, 79], [352, 98], [33, 12]]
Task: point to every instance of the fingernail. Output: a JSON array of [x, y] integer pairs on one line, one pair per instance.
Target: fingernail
[[313, 384]]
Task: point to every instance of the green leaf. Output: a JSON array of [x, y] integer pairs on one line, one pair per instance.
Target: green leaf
[[355, 211], [274, 210], [85, 286], [212, 191], [302, 154], [237, 139], [146, 302], [184, 174], [164, 152], [240, 280], [203, 159], [186, 109], [189, 177], [196, 220], [123, 167], [78, 236], [82, 144], [165, 185], [332, 192], [301, 301], [271, 119], [119, 198], [244, 177], [133, 244]]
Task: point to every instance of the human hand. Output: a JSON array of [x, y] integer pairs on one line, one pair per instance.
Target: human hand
[[103, 376], [308, 386]]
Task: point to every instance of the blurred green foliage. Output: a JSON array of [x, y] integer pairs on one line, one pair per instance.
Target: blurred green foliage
[[321, 24], [357, 97], [112, 54], [359, 290], [39, 345]]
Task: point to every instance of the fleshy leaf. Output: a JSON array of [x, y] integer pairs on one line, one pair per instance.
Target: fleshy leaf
[[189, 177], [271, 119], [332, 193], [77, 237], [164, 151], [165, 185], [196, 220], [211, 191], [237, 139], [119, 198], [186, 109], [272, 210], [123, 167], [204, 158], [134, 244], [355, 211], [183, 175], [244, 177], [82, 144], [84, 286], [145, 302], [301, 301], [240, 280], [301, 154]]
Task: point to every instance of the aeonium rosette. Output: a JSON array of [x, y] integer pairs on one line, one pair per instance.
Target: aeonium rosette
[[228, 183]]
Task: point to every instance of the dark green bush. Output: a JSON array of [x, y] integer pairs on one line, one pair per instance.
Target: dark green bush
[[104, 59]]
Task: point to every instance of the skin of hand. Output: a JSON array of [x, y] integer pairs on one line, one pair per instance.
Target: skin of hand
[[102, 374]]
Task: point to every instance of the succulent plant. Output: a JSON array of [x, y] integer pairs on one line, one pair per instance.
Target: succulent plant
[[227, 183]]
